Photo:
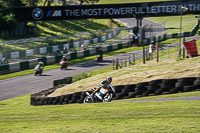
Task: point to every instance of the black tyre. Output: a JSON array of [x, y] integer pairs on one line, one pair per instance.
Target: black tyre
[[130, 87], [118, 88], [165, 93], [155, 82], [197, 82], [159, 91], [72, 101], [125, 91], [188, 88], [142, 84], [77, 95], [131, 94], [140, 90], [180, 84], [174, 90], [152, 94], [119, 96], [169, 82], [188, 80]]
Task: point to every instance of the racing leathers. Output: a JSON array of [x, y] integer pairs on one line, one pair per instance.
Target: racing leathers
[[104, 84]]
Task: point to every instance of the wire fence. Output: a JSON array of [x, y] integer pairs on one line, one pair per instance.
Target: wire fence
[[161, 52]]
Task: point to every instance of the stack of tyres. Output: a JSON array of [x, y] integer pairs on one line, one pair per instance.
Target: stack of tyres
[[141, 88], [179, 86], [129, 91], [166, 86], [152, 87], [118, 92], [195, 86]]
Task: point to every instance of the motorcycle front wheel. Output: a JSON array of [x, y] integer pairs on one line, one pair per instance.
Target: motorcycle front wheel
[[108, 97], [87, 99]]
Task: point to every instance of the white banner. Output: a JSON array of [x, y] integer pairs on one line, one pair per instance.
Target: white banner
[[110, 36], [86, 42], [14, 55], [29, 52], [66, 46], [95, 40], [76, 44], [54, 48], [43, 50], [1, 56], [103, 38]]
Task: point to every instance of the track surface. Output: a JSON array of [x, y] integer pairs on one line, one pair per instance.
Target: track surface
[[165, 99]]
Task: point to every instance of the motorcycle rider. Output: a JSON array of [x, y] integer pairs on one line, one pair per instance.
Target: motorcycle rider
[[64, 58], [63, 62], [40, 66], [106, 84]]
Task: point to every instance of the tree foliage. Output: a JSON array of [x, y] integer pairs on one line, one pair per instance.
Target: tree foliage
[[88, 1], [8, 22]]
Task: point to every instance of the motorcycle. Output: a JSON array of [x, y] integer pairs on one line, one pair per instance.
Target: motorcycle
[[63, 64], [99, 57], [94, 97], [38, 71]]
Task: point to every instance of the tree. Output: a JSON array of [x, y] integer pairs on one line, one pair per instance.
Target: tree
[[88, 1]]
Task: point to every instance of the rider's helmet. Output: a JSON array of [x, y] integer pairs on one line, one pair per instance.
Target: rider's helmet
[[40, 63], [109, 79]]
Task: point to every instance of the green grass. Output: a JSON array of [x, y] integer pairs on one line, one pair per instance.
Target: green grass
[[16, 115], [173, 23]]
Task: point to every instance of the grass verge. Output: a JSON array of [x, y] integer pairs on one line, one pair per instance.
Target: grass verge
[[170, 116]]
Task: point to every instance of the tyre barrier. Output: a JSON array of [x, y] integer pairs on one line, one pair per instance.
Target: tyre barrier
[[151, 88]]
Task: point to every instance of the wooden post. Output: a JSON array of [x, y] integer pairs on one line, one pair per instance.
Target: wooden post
[[133, 58], [113, 62], [129, 61], [157, 52], [183, 48], [117, 63]]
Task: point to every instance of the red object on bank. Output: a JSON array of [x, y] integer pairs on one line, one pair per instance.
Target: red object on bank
[[192, 47]]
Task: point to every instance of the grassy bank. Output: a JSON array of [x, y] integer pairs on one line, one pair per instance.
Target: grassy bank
[[168, 67], [16, 115]]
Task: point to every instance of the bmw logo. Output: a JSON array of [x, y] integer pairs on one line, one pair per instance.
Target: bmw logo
[[37, 13]]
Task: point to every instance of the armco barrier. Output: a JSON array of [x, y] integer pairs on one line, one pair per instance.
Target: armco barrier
[[151, 88]]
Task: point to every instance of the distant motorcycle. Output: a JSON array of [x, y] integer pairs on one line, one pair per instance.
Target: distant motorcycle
[[94, 96], [64, 65], [38, 71], [99, 57]]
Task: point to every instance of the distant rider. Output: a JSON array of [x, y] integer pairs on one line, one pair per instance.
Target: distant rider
[[4, 61], [40, 66], [106, 84], [64, 58]]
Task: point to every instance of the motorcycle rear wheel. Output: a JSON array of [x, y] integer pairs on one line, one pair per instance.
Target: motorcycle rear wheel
[[87, 99]]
